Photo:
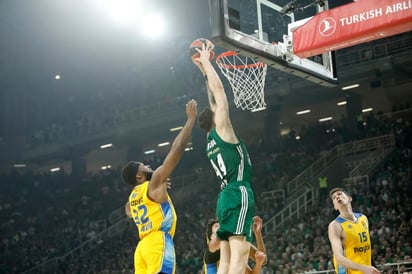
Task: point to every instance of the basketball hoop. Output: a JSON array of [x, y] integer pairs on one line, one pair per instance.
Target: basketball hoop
[[246, 77]]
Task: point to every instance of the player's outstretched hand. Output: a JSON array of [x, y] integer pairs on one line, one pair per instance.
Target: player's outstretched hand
[[257, 224], [191, 109], [260, 257], [204, 53]]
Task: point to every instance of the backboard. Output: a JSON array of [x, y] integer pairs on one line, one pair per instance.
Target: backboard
[[262, 30]]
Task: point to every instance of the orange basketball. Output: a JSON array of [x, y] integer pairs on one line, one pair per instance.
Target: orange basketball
[[198, 44]]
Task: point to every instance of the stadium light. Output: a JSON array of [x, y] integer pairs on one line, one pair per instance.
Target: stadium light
[[123, 11], [106, 146], [55, 169], [342, 103], [350, 87], [258, 109], [163, 144], [325, 119], [153, 25], [176, 128], [367, 110], [303, 112], [149, 151]]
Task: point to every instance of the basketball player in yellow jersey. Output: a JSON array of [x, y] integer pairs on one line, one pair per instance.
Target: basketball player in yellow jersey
[[349, 237], [151, 208]]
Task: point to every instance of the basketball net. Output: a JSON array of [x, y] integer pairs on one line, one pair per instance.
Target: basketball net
[[246, 77]]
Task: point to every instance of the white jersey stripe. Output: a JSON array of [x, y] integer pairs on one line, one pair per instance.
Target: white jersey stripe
[[241, 164], [243, 211]]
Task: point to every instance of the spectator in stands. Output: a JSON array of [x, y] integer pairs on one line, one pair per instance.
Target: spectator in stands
[[323, 189]]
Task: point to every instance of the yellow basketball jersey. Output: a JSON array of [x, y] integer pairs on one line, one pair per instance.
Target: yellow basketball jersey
[[357, 244], [150, 216]]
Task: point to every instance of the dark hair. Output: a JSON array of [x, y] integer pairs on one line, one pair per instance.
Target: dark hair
[[209, 226], [336, 189], [129, 172], [206, 119]]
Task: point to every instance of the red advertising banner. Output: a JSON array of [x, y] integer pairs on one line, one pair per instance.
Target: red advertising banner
[[352, 24]]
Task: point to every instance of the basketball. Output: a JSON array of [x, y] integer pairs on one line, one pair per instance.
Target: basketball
[[197, 44]]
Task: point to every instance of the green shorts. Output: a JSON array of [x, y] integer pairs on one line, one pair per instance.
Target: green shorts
[[235, 211]]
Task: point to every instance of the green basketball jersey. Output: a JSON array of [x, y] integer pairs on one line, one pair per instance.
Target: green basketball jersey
[[231, 162]]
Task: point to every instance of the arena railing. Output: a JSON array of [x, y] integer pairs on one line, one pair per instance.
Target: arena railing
[[53, 263], [292, 211], [305, 196], [296, 186]]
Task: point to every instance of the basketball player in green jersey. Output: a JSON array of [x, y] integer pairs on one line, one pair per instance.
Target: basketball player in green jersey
[[152, 209], [349, 237], [230, 160]]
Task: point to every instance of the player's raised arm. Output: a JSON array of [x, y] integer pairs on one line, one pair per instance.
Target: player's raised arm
[[217, 96], [257, 230], [157, 188]]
